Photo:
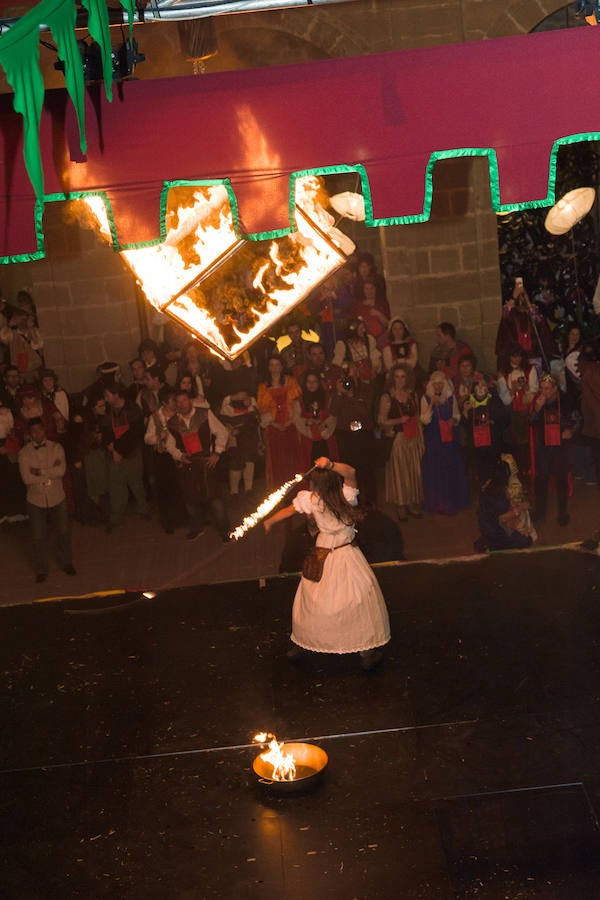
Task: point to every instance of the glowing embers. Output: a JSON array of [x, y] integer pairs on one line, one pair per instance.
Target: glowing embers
[[225, 290]]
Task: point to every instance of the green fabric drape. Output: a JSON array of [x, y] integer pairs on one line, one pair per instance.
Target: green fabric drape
[[19, 57], [62, 24], [99, 29]]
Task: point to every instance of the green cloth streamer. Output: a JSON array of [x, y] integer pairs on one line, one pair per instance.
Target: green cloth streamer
[[98, 27], [62, 24], [19, 57]]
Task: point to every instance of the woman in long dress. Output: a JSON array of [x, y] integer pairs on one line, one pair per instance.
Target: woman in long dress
[[444, 478], [345, 611], [275, 399], [399, 419]]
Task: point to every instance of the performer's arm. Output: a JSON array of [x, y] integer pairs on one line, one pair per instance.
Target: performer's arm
[[343, 469], [286, 513]]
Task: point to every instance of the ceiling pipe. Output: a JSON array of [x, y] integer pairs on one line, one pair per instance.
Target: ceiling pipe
[[173, 13]]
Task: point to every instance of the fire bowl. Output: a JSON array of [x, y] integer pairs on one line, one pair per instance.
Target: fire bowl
[[310, 763]]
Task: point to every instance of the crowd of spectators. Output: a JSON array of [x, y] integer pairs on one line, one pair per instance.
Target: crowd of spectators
[[184, 435]]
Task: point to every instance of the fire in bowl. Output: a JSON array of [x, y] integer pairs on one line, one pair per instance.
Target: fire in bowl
[[308, 764]]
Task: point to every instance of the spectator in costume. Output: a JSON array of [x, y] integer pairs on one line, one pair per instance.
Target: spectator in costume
[[160, 439], [366, 308], [314, 422], [400, 346], [10, 389], [275, 400], [517, 386], [25, 344], [137, 367], [200, 441], [295, 354], [359, 349], [497, 517], [399, 419], [366, 271], [553, 426], [447, 353], [444, 479]]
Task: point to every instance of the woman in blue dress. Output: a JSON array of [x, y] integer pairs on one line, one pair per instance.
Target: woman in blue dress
[[444, 479]]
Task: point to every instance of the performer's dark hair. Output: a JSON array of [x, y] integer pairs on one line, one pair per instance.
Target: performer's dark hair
[[328, 487]]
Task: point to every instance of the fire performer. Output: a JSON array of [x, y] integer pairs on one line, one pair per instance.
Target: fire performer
[[339, 607]]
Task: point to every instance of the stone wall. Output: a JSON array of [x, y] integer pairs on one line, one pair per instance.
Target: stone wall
[[86, 299], [447, 269]]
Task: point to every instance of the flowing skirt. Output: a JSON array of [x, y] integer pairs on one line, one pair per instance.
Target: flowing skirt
[[344, 612], [282, 456], [403, 479]]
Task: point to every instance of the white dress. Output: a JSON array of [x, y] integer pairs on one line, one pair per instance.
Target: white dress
[[345, 611]]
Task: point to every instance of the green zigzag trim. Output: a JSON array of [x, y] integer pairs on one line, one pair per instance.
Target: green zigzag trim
[[360, 169]]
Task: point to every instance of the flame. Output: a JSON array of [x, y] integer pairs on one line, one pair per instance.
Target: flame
[[284, 766], [264, 508], [177, 276]]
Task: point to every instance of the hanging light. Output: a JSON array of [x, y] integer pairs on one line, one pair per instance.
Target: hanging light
[[198, 41], [570, 210], [349, 205]]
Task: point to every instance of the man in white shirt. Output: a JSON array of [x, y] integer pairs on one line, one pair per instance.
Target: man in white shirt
[[200, 439], [42, 466]]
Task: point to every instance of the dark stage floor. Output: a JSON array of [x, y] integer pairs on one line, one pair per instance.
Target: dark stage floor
[[468, 765]]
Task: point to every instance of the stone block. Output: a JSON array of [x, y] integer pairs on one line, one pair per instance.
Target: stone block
[[447, 232], [421, 262], [445, 259], [470, 257], [97, 348], [441, 203], [469, 315], [452, 173], [461, 202], [54, 351]]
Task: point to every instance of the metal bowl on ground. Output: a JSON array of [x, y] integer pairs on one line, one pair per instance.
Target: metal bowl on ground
[[310, 763]]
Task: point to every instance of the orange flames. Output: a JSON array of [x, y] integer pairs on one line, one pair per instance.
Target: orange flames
[[195, 275], [284, 766]]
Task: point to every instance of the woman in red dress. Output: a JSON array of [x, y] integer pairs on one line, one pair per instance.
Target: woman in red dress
[[314, 422], [282, 446]]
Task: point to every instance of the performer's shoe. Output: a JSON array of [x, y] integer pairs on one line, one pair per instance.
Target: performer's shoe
[[402, 513], [296, 652], [69, 570], [41, 576], [195, 533], [370, 659], [415, 511]]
